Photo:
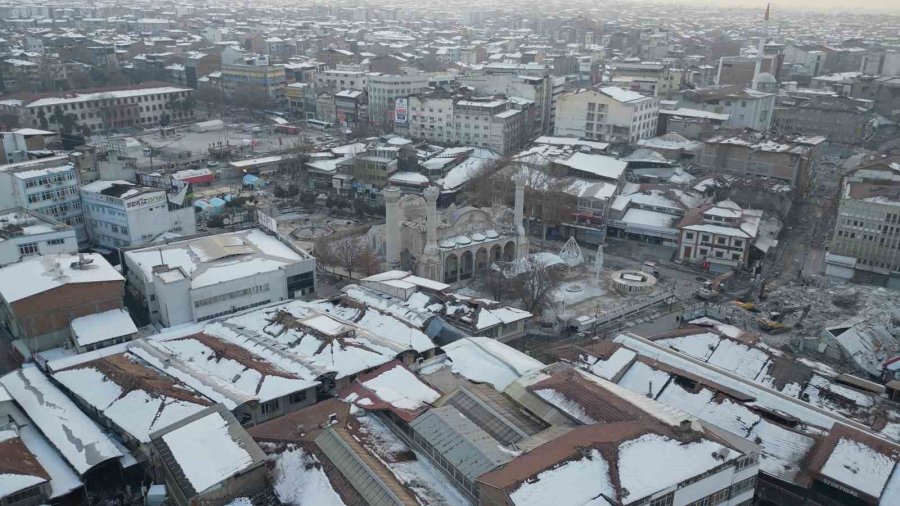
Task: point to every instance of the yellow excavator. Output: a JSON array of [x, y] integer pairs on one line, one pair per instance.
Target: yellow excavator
[[711, 288], [775, 323]]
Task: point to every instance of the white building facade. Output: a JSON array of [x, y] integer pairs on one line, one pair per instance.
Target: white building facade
[[607, 114], [383, 90], [205, 277], [119, 214], [24, 233], [48, 186]]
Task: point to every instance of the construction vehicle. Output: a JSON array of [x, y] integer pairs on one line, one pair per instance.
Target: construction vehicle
[[710, 289], [747, 306], [776, 324]]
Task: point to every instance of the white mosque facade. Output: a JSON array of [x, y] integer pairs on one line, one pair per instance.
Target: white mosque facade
[[453, 245]]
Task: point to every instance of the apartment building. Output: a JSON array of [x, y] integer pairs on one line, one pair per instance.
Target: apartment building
[[496, 124], [528, 81], [840, 119], [242, 70], [383, 90], [607, 114], [137, 107], [120, 214], [24, 233], [789, 159], [654, 78], [337, 80], [48, 186], [866, 239], [746, 108]]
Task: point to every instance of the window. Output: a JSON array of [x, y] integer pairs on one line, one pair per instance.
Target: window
[[28, 248], [297, 397], [738, 243], [742, 486], [704, 237], [665, 500], [719, 254], [54, 242], [270, 407], [720, 240]]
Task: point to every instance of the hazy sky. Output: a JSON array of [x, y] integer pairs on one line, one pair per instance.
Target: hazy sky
[[892, 6]]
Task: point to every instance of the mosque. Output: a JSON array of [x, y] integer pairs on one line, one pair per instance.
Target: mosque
[[453, 245]]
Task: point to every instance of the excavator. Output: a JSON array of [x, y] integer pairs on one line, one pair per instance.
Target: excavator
[[776, 324]]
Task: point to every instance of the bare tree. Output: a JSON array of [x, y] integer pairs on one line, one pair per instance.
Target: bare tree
[[547, 200], [490, 185], [347, 253], [535, 282], [324, 254], [368, 262]]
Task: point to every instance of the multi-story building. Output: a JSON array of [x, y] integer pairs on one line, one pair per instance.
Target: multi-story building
[[242, 70], [739, 70], [746, 108], [19, 75], [18, 144], [607, 114], [119, 214], [866, 240], [41, 295], [350, 108], [24, 233], [204, 277], [383, 90], [657, 79], [336, 80], [301, 99], [884, 92], [497, 124], [790, 159], [529, 81], [137, 107], [48, 186], [840, 119], [718, 235]]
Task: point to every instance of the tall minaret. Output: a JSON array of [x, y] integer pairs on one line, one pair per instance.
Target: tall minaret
[[429, 266], [392, 227], [762, 48], [519, 206], [431, 197]]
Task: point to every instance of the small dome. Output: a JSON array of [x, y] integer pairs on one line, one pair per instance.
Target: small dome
[[766, 78], [492, 234], [463, 240], [477, 237], [447, 244]]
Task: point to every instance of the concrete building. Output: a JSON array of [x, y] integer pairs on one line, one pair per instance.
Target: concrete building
[[20, 144], [866, 240], [493, 123], [383, 90], [242, 70], [883, 91], [48, 186], [746, 108], [529, 81], [335, 80], [200, 278], [653, 78], [839, 119], [739, 70], [788, 159], [141, 107], [40, 295], [24, 233], [119, 214], [607, 114]]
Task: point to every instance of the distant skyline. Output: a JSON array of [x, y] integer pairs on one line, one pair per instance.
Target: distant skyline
[[867, 6]]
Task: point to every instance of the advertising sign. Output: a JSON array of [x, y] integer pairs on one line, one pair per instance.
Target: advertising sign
[[401, 110]]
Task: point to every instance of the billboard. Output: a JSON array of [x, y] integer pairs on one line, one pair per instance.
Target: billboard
[[267, 222], [401, 109]]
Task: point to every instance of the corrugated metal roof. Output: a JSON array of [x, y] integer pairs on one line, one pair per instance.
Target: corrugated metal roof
[[466, 446]]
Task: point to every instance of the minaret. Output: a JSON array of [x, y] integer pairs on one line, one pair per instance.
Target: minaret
[[519, 206], [762, 48], [429, 266], [431, 197], [392, 227]]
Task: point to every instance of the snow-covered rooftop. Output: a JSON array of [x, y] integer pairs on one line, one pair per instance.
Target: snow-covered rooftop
[[39, 274], [81, 442], [102, 326]]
